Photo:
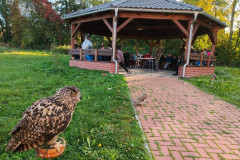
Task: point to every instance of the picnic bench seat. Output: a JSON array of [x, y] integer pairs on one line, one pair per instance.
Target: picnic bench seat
[[202, 57], [95, 52]]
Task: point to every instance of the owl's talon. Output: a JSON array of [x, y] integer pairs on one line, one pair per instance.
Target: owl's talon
[[57, 146]]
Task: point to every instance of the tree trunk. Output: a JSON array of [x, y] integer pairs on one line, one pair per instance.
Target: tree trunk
[[237, 39], [232, 21]]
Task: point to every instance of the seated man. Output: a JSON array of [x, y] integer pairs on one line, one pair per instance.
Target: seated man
[[146, 62], [87, 44], [167, 61]]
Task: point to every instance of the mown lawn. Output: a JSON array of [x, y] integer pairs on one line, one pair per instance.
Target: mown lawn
[[226, 87], [103, 124]]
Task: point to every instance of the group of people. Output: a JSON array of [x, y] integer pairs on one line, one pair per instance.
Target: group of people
[[203, 52], [160, 61], [133, 60]]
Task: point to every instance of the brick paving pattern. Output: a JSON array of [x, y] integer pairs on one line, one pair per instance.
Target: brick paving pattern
[[182, 122]]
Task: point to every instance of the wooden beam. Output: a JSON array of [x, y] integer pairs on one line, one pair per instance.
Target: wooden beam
[[127, 36], [147, 42], [204, 23], [158, 40], [213, 49], [119, 40], [124, 24], [145, 15], [147, 37], [180, 26], [213, 35], [195, 29], [76, 29], [144, 27], [211, 38], [194, 39], [96, 17], [107, 24], [72, 37]]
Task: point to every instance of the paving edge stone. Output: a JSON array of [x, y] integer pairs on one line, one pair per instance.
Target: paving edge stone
[[140, 126]]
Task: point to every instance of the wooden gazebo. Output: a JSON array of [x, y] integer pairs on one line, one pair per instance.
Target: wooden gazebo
[[150, 20]]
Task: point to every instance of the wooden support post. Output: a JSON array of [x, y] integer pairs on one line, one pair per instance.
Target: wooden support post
[[157, 41], [124, 24], [147, 42], [213, 49], [72, 37], [214, 40], [81, 54], [96, 55], [108, 25], [201, 59], [76, 29], [180, 26], [195, 30]]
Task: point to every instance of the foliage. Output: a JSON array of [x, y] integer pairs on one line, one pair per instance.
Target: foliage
[[225, 87], [228, 54], [37, 24], [103, 124], [60, 49]]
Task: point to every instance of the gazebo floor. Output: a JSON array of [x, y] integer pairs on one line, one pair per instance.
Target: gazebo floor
[[146, 71]]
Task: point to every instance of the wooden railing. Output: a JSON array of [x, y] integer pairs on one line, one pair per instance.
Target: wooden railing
[[94, 52], [202, 57]]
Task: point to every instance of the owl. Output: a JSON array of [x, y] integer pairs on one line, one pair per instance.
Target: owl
[[44, 120]]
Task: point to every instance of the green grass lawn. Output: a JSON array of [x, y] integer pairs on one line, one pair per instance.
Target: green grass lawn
[[226, 87], [103, 124]]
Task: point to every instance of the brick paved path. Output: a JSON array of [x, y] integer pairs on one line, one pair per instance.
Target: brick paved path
[[182, 122]]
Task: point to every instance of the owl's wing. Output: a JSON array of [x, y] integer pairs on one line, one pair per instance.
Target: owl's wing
[[40, 123]]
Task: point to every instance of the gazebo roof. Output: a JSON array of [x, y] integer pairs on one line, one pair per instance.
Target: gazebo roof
[[163, 6]]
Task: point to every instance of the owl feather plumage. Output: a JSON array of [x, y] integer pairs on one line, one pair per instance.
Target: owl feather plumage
[[44, 120]]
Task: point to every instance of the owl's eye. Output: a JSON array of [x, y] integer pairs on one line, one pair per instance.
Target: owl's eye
[[74, 93]]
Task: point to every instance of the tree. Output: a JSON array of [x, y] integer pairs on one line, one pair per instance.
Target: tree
[[234, 4], [4, 20], [16, 20]]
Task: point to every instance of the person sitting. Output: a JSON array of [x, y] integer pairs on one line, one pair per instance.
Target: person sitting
[[87, 44], [168, 61], [131, 60], [136, 60], [102, 46], [146, 62]]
